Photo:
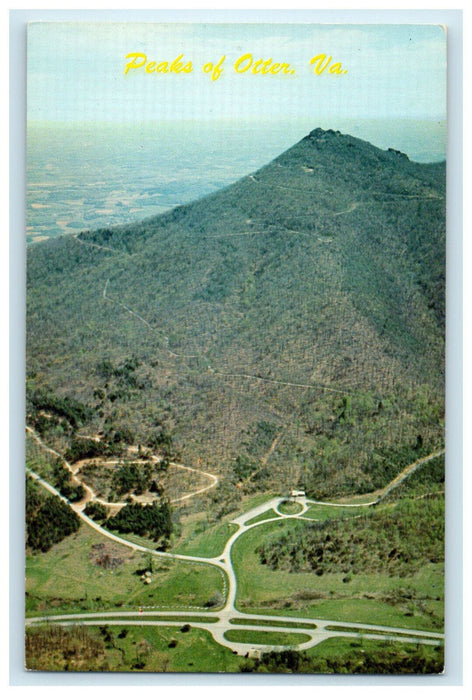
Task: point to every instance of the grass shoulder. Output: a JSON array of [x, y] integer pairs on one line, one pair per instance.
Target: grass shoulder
[[325, 512], [257, 622], [268, 637], [266, 515]]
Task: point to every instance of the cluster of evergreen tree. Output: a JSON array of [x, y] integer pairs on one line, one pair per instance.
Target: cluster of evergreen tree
[[96, 511], [72, 410], [123, 372], [86, 448], [48, 519], [161, 441], [154, 520], [422, 481], [63, 482], [134, 477], [385, 463]]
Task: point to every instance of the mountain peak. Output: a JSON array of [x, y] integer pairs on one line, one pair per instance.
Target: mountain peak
[[326, 137], [322, 133], [304, 301]]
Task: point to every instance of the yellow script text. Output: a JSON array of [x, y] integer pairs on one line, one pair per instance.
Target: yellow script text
[[139, 60]]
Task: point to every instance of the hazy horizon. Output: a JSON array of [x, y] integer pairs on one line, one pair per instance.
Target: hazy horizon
[[91, 175], [113, 146]]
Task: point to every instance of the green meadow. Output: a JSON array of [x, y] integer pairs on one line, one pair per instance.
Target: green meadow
[[413, 601], [68, 579]]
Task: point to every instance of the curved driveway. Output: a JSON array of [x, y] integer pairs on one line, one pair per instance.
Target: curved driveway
[[228, 615]]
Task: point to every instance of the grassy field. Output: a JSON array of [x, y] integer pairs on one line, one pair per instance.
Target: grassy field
[[413, 602], [263, 637], [243, 621], [366, 609], [322, 512], [266, 515], [67, 579], [290, 507], [201, 540], [135, 539]]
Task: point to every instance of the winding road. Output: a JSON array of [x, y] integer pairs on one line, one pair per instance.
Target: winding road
[[229, 617]]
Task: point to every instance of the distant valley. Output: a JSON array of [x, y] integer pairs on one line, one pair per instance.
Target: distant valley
[[91, 175]]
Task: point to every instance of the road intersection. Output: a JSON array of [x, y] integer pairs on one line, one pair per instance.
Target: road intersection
[[228, 618]]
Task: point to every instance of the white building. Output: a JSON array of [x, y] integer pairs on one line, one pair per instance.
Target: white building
[[295, 493]]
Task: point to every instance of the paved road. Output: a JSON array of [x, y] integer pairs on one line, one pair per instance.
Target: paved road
[[226, 621], [229, 613]]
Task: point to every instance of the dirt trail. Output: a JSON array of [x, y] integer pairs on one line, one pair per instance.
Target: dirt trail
[[92, 496], [378, 496], [106, 296], [407, 471], [96, 245]]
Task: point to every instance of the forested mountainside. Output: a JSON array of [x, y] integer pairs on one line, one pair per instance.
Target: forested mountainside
[[288, 329]]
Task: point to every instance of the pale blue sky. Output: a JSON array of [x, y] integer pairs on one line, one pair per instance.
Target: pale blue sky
[[75, 71]]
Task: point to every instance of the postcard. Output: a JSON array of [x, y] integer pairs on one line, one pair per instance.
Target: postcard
[[235, 368]]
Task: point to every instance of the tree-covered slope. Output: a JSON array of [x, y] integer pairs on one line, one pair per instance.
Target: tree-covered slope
[[287, 328]]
